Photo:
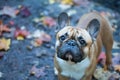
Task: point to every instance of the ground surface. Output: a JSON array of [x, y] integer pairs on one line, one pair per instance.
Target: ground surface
[[18, 60]]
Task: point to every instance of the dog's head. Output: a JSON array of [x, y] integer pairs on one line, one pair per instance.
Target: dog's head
[[72, 43]]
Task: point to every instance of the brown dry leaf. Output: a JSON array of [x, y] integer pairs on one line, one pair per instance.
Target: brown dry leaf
[[3, 28], [5, 44], [70, 2], [38, 72], [9, 11]]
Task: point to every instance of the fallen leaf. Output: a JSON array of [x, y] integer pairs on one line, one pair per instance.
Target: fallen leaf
[[21, 34], [70, 2], [100, 74], [20, 37], [40, 35], [37, 42], [3, 28], [38, 72], [9, 11], [49, 21], [5, 44], [24, 11], [45, 37], [36, 34], [102, 58]]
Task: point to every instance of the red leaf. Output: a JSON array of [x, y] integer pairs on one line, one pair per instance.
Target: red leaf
[[45, 37], [49, 21], [102, 57], [20, 32]]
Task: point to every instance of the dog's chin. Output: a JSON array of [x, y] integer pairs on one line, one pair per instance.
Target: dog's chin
[[70, 57]]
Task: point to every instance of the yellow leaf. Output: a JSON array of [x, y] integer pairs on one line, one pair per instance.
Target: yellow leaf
[[70, 2], [20, 38], [5, 44]]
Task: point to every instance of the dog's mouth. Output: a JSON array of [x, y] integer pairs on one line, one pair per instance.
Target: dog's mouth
[[71, 56]]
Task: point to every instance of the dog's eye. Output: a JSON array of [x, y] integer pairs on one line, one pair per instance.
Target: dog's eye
[[82, 41], [63, 37]]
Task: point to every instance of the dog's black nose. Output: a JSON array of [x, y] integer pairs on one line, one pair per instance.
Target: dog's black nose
[[71, 42]]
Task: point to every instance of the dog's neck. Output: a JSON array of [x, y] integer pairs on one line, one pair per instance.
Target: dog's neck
[[74, 70]]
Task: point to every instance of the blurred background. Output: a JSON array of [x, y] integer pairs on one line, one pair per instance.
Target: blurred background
[[27, 34]]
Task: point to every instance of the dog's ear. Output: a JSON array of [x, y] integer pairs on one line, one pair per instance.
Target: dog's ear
[[93, 28], [63, 20]]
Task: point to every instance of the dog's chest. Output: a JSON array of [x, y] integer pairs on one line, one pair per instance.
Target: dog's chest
[[76, 71]]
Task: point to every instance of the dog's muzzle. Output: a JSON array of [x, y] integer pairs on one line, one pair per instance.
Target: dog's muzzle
[[70, 51]]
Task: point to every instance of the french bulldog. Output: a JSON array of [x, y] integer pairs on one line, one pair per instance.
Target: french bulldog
[[77, 48]]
